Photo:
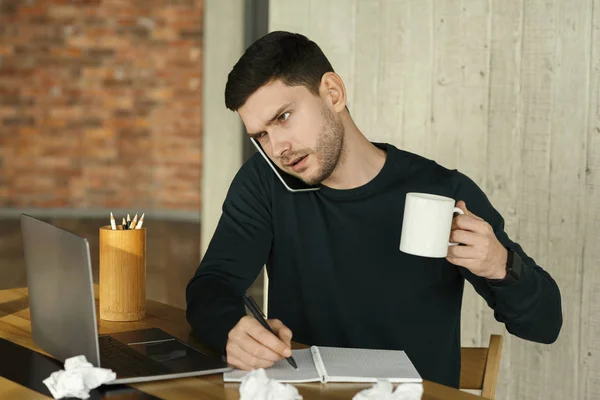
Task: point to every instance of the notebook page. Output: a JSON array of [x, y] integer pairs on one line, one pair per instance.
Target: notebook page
[[366, 365], [282, 371]]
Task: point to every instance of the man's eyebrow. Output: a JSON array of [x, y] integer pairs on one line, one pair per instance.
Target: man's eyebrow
[[275, 116]]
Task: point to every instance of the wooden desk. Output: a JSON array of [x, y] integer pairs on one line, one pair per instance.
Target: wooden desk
[[15, 326]]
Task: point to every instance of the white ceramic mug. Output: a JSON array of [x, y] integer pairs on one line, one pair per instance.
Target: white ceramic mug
[[426, 224]]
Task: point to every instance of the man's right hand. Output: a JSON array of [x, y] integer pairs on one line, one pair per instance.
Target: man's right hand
[[251, 346]]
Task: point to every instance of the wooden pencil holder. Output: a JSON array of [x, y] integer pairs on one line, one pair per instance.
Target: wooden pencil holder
[[122, 274]]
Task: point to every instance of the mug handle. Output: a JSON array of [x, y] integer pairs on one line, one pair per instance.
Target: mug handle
[[461, 212]]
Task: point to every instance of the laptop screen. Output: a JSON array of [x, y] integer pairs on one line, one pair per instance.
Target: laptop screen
[[61, 293]]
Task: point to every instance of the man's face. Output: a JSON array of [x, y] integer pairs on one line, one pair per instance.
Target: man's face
[[296, 129]]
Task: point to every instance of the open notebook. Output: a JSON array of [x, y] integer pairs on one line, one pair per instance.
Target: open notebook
[[338, 364]]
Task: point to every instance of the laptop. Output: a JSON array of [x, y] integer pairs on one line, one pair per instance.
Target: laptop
[[63, 314]]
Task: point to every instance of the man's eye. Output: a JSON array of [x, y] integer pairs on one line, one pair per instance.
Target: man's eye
[[261, 135], [284, 116]]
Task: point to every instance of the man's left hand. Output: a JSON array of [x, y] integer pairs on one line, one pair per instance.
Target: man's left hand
[[482, 253]]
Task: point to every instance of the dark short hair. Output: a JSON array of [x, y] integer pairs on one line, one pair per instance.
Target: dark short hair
[[290, 57]]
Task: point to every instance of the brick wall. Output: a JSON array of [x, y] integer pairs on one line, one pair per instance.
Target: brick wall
[[100, 103]]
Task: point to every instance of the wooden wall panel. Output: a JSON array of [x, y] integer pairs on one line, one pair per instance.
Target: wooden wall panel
[[504, 150], [509, 93], [589, 347], [567, 188]]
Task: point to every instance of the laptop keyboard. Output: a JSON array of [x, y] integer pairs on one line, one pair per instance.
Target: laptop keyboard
[[126, 362]]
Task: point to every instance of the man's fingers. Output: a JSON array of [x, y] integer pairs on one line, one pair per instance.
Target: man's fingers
[[284, 333], [236, 363], [259, 350], [251, 345], [287, 340], [469, 223], [241, 355], [463, 206], [463, 252], [266, 338], [468, 263], [465, 237]]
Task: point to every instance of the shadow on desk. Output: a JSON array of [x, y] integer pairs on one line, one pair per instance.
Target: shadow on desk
[[34, 367]]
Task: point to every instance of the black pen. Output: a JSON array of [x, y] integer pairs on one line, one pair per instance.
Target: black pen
[[258, 314]]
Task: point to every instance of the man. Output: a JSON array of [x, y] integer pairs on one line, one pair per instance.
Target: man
[[336, 275]]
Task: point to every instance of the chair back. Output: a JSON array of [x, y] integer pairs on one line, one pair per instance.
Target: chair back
[[480, 367]]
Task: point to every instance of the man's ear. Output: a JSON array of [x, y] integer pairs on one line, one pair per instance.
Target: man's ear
[[332, 89]]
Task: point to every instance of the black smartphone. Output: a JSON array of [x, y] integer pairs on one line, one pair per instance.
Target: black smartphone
[[291, 183]]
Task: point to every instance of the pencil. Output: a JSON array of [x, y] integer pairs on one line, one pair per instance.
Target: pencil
[[113, 225], [132, 225], [140, 222], [124, 225]]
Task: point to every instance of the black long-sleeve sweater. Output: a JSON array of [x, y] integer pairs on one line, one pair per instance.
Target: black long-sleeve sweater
[[338, 278]]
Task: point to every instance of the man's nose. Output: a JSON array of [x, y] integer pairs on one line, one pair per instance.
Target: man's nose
[[280, 144]]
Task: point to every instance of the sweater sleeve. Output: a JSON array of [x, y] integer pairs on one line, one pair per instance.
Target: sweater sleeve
[[238, 250], [530, 308]]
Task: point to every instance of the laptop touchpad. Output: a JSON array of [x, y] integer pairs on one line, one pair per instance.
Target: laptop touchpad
[[177, 356]]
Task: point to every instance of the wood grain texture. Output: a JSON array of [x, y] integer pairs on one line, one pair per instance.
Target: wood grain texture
[[472, 367], [520, 117], [122, 266], [530, 361], [294, 16], [504, 144], [480, 366], [447, 107], [471, 130], [15, 326], [567, 188], [366, 56], [11, 390], [418, 77], [492, 367], [333, 26], [393, 60], [589, 349]]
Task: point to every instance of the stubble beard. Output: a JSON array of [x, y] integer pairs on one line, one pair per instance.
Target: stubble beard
[[330, 148]]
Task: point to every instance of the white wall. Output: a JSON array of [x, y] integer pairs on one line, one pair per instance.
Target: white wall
[[507, 91], [222, 138]]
